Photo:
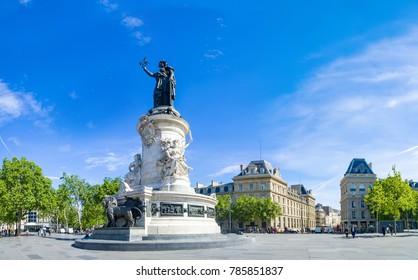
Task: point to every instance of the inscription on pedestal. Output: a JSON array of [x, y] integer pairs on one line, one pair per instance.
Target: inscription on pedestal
[[196, 211], [169, 209]]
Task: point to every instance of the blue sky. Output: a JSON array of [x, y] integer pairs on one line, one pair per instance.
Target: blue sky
[[305, 85]]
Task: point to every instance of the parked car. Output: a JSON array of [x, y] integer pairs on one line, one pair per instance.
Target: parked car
[[62, 230], [70, 231]]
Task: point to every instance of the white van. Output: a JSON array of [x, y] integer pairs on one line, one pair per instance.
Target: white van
[[70, 231]]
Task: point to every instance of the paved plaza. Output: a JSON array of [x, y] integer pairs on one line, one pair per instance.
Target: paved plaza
[[403, 246]]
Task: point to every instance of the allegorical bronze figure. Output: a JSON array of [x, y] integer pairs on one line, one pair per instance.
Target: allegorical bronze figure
[[165, 86]]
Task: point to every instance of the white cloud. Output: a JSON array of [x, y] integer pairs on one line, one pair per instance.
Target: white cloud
[[231, 169], [25, 2], [212, 54], [4, 144], [73, 95], [363, 105], [111, 161], [132, 22], [90, 125], [221, 22], [142, 40], [109, 6], [16, 104], [64, 149]]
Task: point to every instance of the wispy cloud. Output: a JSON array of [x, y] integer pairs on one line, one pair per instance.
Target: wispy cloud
[[363, 105], [64, 148], [111, 161], [5, 146], [73, 95], [90, 125], [231, 169], [15, 104], [109, 6], [408, 150], [132, 22], [25, 2], [142, 40], [221, 22], [213, 54]]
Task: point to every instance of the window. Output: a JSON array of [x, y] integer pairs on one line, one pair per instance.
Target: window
[[209, 190], [353, 214], [201, 191], [218, 189], [353, 204], [361, 188], [352, 187], [240, 187], [251, 171], [226, 189], [362, 204], [32, 217], [363, 215], [251, 186], [263, 186]]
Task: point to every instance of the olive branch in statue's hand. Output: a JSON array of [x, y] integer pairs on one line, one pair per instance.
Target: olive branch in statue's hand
[[144, 62]]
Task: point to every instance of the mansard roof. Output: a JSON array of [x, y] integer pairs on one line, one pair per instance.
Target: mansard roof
[[260, 167], [359, 166]]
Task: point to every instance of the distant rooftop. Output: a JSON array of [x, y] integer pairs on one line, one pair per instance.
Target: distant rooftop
[[359, 166], [259, 167]]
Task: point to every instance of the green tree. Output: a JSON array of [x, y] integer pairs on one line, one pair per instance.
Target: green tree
[[23, 189], [267, 209], [376, 200], [223, 208], [77, 190], [244, 209], [399, 195], [93, 210]]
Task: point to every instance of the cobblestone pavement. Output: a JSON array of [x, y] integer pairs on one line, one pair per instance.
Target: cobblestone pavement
[[403, 246]]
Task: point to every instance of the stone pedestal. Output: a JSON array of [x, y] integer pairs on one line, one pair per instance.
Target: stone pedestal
[[121, 234], [171, 205], [163, 146]]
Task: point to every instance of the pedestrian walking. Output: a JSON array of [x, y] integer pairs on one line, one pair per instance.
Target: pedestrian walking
[[384, 231], [353, 231], [346, 232], [391, 229]]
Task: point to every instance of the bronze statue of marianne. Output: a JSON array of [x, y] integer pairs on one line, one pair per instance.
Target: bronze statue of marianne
[[165, 86]]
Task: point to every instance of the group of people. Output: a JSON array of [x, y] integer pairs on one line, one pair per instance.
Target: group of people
[[352, 230], [42, 232], [384, 230], [7, 232], [388, 229]]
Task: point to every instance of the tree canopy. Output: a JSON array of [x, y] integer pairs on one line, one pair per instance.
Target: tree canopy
[[23, 188], [391, 196]]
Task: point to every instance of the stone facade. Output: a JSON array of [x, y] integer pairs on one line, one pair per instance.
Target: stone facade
[[354, 186], [260, 179]]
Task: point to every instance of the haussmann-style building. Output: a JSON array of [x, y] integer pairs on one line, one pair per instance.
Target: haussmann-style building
[[260, 179], [358, 179]]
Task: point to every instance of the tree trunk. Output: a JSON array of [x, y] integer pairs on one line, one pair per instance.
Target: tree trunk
[[18, 223], [377, 222]]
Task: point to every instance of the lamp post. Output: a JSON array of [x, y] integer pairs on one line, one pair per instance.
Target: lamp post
[[230, 220]]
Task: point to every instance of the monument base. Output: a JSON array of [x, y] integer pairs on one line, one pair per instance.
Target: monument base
[[165, 242], [122, 234]]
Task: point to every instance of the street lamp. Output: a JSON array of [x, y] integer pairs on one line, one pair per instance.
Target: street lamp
[[230, 220]]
